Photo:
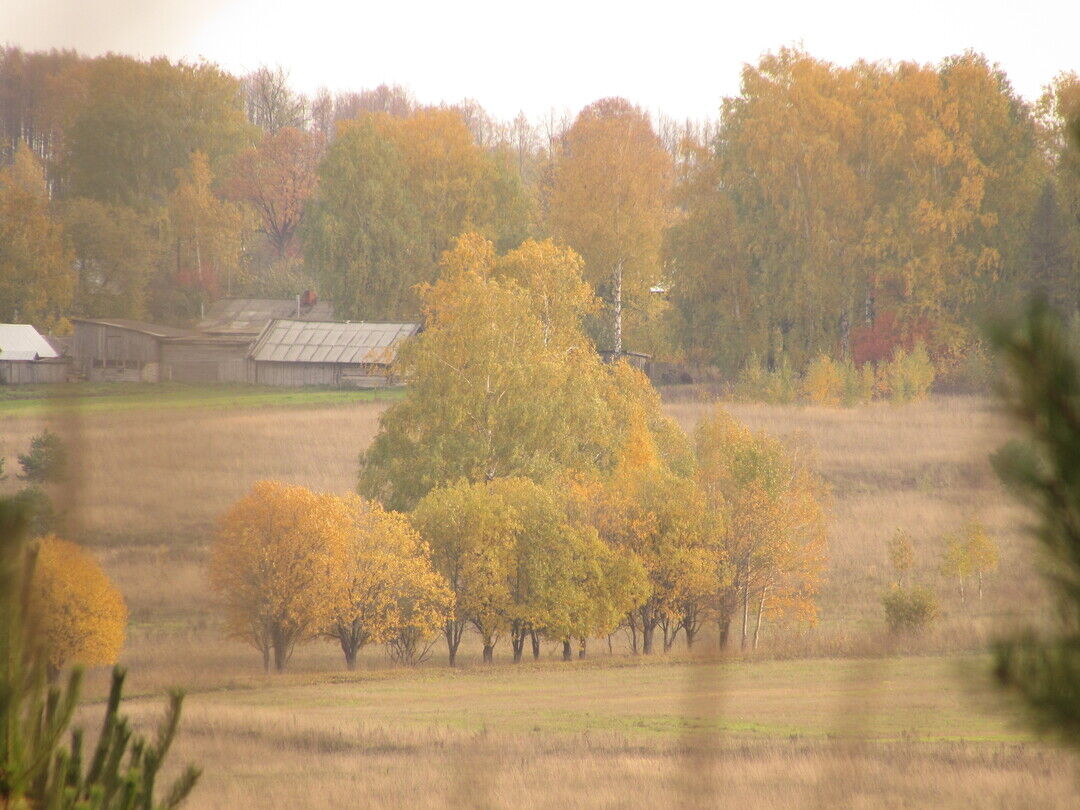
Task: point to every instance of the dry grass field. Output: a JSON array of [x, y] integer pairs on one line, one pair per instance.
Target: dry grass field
[[839, 715]]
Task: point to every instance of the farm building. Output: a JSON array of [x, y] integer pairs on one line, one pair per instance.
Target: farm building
[[353, 355], [27, 358], [249, 316], [118, 350]]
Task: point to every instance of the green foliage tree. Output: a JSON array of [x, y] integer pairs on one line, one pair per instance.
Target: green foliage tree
[[36, 768], [1042, 390], [115, 249], [47, 460], [130, 126], [361, 235]]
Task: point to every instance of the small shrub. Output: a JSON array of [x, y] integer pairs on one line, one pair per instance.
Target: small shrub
[[823, 383], [858, 384], [756, 383], [909, 610], [47, 460], [908, 376]]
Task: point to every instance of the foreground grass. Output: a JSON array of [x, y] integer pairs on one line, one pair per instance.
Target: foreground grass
[[112, 397], [903, 732]]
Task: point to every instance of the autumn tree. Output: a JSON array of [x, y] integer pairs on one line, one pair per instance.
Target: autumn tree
[[610, 203], [276, 562], [775, 531], [361, 235], [78, 614], [982, 553], [386, 588], [277, 178], [36, 277], [205, 233], [493, 392], [130, 126], [956, 562], [470, 532], [114, 249], [833, 198]]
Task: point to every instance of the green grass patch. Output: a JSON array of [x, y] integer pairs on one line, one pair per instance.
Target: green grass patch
[[93, 397]]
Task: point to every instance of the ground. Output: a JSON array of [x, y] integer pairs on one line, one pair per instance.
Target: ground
[[837, 715]]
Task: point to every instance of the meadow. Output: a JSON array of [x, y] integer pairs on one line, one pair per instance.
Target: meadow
[[838, 715]]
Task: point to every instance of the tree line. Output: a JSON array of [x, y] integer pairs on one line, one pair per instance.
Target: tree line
[[526, 490], [837, 211]]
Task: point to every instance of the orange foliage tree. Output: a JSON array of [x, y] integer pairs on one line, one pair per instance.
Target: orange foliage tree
[[278, 564], [388, 591], [78, 614]]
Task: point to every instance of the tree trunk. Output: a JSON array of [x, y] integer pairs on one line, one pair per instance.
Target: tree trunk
[[963, 600], [760, 610], [647, 637], [581, 648], [723, 631], [281, 656], [745, 612], [567, 655], [517, 642], [452, 633], [535, 644], [616, 307], [980, 587], [610, 647], [266, 657], [489, 652], [690, 632], [350, 650]]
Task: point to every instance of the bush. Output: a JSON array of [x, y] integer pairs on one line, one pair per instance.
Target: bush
[[823, 383], [908, 376], [46, 461], [38, 508], [858, 384], [909, 610], [777, 386]]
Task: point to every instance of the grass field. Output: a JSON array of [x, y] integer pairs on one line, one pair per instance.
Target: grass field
[[837, 715]]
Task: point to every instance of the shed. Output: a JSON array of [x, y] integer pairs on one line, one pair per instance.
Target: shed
[[249, 316], [26, 357], [355, 355], [121, 350]]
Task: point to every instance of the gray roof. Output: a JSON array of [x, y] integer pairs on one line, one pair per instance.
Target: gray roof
[[153, 329], [21, 341], [251, 315], [292, 341]]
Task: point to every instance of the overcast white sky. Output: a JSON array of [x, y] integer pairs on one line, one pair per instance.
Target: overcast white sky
[[674, 56]]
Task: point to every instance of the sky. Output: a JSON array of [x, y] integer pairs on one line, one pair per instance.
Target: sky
[[676, 57]]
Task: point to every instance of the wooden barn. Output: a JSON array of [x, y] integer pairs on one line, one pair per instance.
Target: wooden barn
[[349, 355], [27, 358], [119, 350]]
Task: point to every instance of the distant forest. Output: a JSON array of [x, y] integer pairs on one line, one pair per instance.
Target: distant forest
[[844, 211]]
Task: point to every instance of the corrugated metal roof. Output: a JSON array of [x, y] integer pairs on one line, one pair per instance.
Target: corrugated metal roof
[[21, 341], [251, 315], [292, 341]]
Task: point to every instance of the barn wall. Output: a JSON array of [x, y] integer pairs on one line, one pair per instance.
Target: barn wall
[[105, 352], [33, 372], [295, 375], [204, 362]]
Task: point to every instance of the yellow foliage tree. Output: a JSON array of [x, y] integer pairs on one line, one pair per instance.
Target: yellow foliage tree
[[611, 203], [389, 592], [78, 614], [774, 533], [277, 562]]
